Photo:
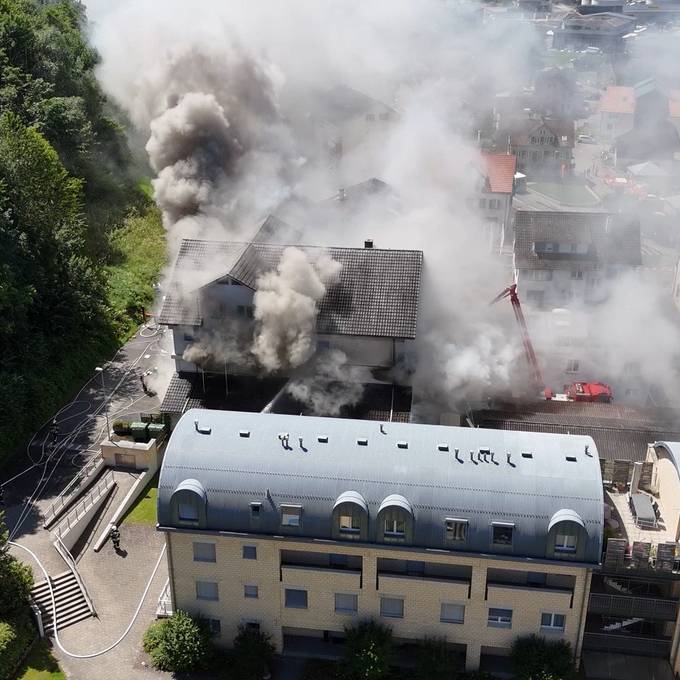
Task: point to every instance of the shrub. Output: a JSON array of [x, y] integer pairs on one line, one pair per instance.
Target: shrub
[[15, 638], [535, 658], [177, 644], [121, 427], [253, 653], [368, 651], [435, 659], [321, 669], [16, 579]]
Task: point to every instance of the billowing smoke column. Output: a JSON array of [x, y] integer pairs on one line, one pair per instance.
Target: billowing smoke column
[[332, 384], [286, 308]]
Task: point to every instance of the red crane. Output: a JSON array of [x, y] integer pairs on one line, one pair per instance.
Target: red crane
[[578, 391]]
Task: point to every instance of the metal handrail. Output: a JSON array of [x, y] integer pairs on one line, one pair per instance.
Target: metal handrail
[[632, 605], [71, 563], [164, 607], [68, 493], [93, 495]]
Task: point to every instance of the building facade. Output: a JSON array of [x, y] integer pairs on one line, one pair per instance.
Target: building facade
[[301, 526]]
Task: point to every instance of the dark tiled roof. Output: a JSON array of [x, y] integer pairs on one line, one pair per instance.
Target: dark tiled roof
[[616, 244], [180, 310], [175, 399], [377, 292], [619, 432]]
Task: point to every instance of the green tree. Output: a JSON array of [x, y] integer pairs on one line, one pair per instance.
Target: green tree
[[368, 651], [535, 658], [435, 659], [253, 653], [16, 578], [178, 644]]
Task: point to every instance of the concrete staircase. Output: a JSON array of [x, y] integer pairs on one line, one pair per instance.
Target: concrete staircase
[[70, 601]]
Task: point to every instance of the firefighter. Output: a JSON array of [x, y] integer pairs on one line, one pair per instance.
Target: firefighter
[[143, 381], [115, 537], [54, 432]]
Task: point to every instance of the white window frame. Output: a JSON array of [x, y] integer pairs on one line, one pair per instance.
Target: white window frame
[[498, 620], [351, 529], [394, 532], [343, 610], [291, 515], [395, 599], [204, 543], [182, 506], [552, 627], [254, 594], [203, 597], [248, 547], [563, 546], [502, 525], [295, 606], [456, 526], [443, 619]]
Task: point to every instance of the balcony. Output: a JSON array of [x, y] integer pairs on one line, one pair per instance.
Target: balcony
[[308, 576], [623, 606], [456, 589], [519, 595], [627, 644]]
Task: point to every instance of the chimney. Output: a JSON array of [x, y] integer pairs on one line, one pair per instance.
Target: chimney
[[368, 243]]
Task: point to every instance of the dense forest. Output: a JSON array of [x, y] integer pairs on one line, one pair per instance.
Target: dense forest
[[80, 240]]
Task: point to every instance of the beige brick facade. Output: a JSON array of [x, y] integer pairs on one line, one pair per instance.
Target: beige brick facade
[[422, 596]]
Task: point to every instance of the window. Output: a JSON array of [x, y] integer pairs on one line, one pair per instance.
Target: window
[[204, 552], [499, 618], [384, 116], [572, 366], [455, 530], [501, 534], [395, 528], [188, 512], [392, 607], [536, 579], [553, 622], [415, 568], [350, 524], [255, 509], [214, 626], [249, 552], [250, 591], [252, 625], [296, 599], [370, 116], [346, 604], [565, 543], [207, 590], [290, 515], [188, 337], [245, 311], [482, 203], [452, 613], [576, 274], [338, 560], [494, 203]]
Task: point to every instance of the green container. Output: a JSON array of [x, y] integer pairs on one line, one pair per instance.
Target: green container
[[155, 430], [139, 431]]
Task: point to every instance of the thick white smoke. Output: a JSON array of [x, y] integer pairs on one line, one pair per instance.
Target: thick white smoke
[[331, 384], [286, 308]]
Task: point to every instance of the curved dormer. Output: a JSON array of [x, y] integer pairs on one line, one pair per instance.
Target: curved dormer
[[350, 517], [395, 520], [189, 504], [567, 536]]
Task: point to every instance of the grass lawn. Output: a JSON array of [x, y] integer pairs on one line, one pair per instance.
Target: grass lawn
[[144, 509], [40, 665]]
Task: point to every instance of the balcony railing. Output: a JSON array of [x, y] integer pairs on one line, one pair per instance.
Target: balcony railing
[[621, 605], [627, 644]]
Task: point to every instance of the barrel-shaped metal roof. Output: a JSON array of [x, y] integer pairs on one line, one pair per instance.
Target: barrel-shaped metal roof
[[482, 476]]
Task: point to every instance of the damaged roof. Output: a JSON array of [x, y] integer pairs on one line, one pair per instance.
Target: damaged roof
[[376, 293]]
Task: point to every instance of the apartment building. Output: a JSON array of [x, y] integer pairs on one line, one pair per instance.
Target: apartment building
[[301, 526]]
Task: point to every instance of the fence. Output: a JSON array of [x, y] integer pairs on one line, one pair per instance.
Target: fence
[[164, 608], [89, 500], [72, 489], [621, 605]]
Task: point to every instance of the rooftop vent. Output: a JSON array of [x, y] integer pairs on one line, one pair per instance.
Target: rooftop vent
[[571, 459], [402, 445], [527, 455], [368, 243], [322, 439], [202, 429], [362, 442], [443, 447], [244, 433]]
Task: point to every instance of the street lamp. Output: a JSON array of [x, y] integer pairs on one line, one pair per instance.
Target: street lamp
[[100, 370]]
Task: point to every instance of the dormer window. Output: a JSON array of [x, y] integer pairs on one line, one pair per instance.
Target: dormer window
[[291, 515], [189, 504], [350, 517], [395, 520], [565, 543], [455, 531], [188, 512], [567, 535], [502, 534]]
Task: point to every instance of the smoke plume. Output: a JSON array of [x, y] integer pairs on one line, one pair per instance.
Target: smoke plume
[[286, 308], [331, 385]]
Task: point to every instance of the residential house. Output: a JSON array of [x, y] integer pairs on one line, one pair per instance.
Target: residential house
[[301, 526], [496, 188], [567, 246], [603, 30], [543, 146]]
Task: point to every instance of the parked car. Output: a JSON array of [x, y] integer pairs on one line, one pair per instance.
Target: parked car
[[586, 139]]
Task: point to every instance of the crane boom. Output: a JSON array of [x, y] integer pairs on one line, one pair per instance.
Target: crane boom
[[536, 375]]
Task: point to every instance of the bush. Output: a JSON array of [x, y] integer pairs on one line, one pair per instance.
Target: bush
[[15, 638], [368, 651], [535, 658], [177, 644], [121, 427], [253, 653], [321, 669], [16, 579], [435, 659]]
